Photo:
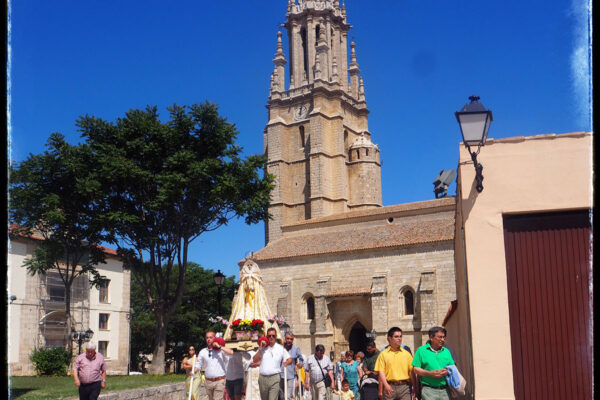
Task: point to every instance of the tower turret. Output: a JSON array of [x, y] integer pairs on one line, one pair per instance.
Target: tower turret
[[364, 173]]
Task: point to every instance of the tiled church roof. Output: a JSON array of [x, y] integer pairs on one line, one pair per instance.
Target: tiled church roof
[[380, 211], [397, 234], [349, 292]]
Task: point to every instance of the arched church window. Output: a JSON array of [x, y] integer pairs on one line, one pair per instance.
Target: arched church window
[[358, 154], [367, 151], [302, 137], [317, 33], [408, 298], [310, 308], [304, 50]]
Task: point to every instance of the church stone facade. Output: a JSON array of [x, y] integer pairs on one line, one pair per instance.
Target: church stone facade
[[337, 264]]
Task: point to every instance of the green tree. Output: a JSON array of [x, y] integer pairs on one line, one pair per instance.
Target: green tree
[[190, 321], [54, 195], [165, 185]]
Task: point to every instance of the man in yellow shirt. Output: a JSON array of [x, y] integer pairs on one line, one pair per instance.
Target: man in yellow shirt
[[394, 366]]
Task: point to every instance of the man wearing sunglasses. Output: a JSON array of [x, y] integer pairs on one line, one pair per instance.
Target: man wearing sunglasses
[[272, 357]]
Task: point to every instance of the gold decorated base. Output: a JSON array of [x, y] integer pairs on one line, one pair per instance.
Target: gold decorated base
[[242, 345]]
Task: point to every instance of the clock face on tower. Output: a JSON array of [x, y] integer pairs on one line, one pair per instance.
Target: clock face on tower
[[301, 112]]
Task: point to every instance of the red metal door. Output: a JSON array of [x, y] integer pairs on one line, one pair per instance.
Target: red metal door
[[549, 276]]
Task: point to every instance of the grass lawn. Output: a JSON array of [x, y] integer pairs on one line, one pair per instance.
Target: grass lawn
[[47, 387]]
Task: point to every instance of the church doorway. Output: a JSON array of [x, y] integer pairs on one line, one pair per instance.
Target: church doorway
[[357, 340]]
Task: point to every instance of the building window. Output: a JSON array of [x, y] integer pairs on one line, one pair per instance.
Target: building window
[[103, 321], [408, 297], [103, 348], [55, 287], [302, 137], [103, 291], [310, 308]]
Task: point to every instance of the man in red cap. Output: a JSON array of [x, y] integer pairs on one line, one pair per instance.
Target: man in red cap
[[214, 359]]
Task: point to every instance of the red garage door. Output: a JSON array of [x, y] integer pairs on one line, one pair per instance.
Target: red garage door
[[549, 275]]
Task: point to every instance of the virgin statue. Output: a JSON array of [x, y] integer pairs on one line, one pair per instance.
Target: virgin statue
[[250, 301]]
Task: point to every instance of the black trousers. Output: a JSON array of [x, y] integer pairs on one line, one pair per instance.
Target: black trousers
[[90, 391]]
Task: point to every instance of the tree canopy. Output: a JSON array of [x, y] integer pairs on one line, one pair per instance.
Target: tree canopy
[[55, 195], [165, 184]]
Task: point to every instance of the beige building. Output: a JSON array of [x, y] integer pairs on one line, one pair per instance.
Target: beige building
[[36, 313], [337, 264], [522, 321]]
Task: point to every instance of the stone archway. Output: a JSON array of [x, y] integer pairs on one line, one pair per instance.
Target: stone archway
[[357, 338]]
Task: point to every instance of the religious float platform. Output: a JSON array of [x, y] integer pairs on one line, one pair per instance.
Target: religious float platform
[[251, 316]]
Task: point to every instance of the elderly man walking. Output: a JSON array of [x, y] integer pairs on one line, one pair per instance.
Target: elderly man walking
[[430, 364], [319, 368], [297, 362], [272, 358], [89, 373], [394, 365]]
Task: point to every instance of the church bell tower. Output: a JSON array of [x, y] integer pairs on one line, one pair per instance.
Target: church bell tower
[[317, 137]]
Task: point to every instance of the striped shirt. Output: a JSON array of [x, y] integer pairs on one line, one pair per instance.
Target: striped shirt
[[89, 371]]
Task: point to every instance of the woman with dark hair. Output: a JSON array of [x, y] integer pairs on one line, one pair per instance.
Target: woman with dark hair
[[189, 364], [351, 372]]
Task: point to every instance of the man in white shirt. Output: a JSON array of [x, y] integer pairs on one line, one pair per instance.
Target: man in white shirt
[[272, 357], [318, 367], [214, 359]]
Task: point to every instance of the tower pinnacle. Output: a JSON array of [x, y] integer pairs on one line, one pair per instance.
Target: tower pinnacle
[[279, 70]]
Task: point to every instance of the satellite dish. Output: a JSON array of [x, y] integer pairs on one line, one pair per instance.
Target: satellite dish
[[442, 181]]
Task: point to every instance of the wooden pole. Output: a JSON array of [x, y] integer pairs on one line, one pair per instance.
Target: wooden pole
[[192, 380]]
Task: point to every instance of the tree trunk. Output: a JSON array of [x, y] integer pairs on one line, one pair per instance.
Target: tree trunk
[[158, 356], [69, 321]]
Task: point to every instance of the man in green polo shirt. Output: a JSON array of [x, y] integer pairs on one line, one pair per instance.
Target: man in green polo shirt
[[430, 364]]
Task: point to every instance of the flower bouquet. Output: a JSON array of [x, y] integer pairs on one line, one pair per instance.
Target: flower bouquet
[[246, 329]]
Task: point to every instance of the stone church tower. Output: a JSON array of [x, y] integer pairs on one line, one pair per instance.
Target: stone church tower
[[317, 138], [338, 265]]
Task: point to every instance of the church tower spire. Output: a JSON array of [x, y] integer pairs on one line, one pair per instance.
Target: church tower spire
[[317, 138]]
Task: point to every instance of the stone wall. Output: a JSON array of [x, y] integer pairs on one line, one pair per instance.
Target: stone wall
[[427, 270], [163, 392]]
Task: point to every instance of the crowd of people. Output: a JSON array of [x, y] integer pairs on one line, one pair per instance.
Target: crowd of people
[[283, 373]]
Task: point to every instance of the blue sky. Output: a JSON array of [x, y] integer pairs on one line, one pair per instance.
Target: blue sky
[[420, 61]]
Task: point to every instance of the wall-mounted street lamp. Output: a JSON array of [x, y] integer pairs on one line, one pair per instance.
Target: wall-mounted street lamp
[[285, 328], [474, 121], [372, 334], [82, 337], [219, 280]]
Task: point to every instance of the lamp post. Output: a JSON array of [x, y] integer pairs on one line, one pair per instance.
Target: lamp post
[[82, 337], [474, 121], [219, 280], [285, 328]]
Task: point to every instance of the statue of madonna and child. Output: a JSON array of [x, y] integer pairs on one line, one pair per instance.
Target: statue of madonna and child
[[249, 305]]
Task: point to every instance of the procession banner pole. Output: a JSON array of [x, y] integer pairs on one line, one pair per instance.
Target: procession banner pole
[[192, 380], [301, 385], [285, 388], [250, 383]]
